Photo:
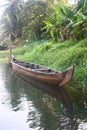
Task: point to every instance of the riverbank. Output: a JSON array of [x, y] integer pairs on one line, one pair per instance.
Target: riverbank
[[59, 56], [4, 56]]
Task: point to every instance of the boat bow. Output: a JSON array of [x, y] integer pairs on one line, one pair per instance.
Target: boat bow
[[67, 76]]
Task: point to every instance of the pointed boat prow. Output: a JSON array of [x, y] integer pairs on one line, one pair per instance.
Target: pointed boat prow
[[67, 74]]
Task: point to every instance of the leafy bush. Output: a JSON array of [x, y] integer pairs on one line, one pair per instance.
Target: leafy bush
[[67, 23]]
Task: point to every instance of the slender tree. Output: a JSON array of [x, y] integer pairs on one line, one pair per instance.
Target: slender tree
[[10, 22]]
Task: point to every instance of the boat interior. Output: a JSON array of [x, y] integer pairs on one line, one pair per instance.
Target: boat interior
[[36, 67]]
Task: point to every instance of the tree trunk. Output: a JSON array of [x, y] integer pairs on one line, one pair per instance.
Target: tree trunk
[[10, 49]]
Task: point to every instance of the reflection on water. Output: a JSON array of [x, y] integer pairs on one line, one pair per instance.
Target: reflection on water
[[23, 106]]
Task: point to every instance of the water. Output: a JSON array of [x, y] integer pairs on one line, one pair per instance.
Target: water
[[25, 107]]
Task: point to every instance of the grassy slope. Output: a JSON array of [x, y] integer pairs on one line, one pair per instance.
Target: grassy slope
[[59, 56]]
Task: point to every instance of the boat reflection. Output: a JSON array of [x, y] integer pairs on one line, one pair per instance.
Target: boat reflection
[[58, 92]]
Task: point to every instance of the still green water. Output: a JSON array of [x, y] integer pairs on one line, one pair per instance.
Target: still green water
[[25, 107]]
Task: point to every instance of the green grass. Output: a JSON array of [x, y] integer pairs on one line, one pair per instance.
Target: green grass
[[59, 56], [3, 56]]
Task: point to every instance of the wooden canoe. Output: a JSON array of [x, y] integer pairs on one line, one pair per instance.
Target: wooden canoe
[[41, 73]]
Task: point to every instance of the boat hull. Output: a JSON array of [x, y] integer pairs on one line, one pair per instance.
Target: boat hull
[[54, 78]]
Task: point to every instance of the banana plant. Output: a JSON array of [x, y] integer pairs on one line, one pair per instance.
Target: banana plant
[[54, 23], [76, 26], [80, 20]]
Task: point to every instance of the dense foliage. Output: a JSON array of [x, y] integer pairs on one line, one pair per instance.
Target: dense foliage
[[38, 19], [10, 22], [32, 20], [67, 22], [23, 20]]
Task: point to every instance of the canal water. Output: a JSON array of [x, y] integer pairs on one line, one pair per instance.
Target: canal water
[[36, 106]]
